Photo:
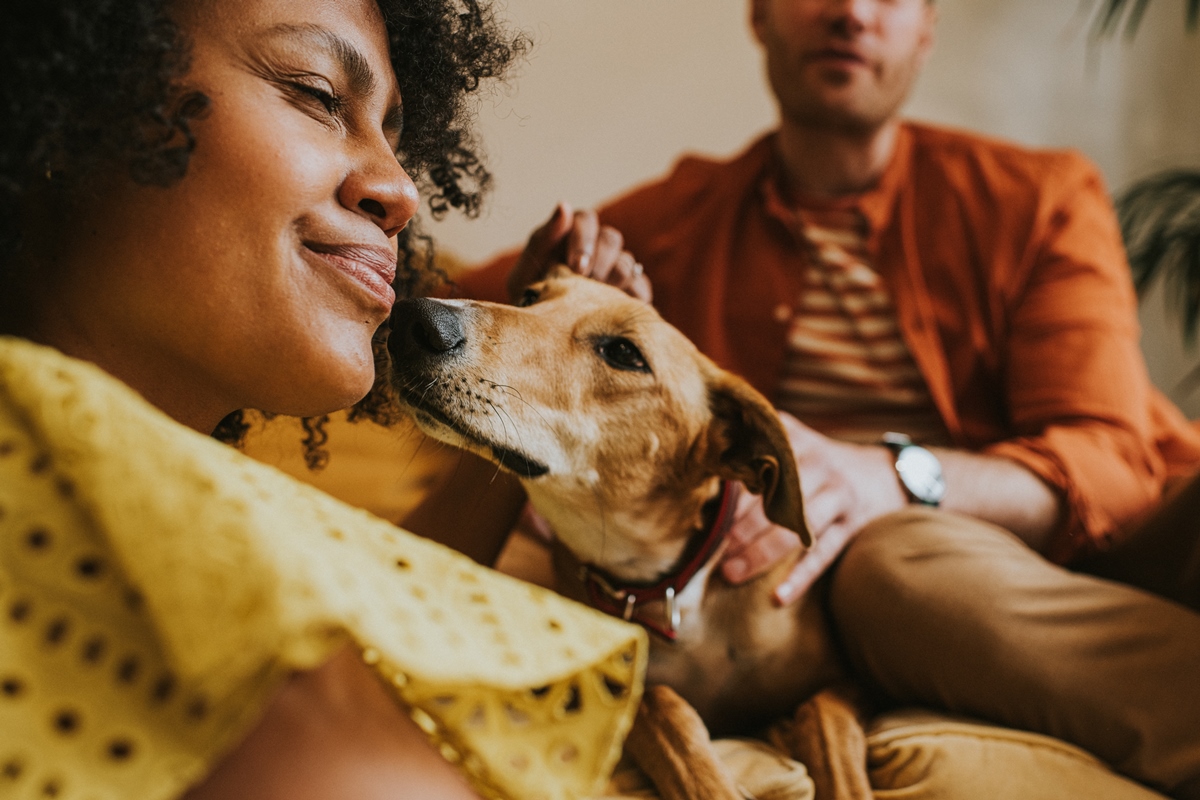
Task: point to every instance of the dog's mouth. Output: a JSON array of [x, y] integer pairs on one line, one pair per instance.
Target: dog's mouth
[[432, 418]]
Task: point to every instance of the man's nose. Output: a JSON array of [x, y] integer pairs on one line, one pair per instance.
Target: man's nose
[[851, 16]]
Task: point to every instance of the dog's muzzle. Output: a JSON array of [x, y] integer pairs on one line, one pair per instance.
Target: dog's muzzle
[[428, 346]]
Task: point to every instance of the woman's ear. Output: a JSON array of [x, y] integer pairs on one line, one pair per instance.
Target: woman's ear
[[752, 447]]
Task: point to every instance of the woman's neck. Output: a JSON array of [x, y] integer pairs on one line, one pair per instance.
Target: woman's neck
[[187, 402]]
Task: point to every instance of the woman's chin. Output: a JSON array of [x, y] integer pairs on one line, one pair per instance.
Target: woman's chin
[[321, 388], [339, 396]]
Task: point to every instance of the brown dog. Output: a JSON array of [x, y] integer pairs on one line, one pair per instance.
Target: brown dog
[[631, 443]]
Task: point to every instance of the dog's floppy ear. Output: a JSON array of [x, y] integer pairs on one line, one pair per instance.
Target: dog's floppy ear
[[751, 446]]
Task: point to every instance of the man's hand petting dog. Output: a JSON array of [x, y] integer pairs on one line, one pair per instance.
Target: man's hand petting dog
[[845, 487], [577, 239]]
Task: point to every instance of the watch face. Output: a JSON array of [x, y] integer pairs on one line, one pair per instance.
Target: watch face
[[921, 473]]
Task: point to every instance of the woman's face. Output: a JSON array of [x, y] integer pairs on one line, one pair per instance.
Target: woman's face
[[258, 279]]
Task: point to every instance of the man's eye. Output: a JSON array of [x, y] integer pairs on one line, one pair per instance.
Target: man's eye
[[622, 354], [529, 297]]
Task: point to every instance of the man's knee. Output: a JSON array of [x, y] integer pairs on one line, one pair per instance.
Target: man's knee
[[904, 562], [921, 588]]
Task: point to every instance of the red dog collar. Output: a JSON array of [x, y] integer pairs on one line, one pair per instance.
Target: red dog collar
[[626, 600]]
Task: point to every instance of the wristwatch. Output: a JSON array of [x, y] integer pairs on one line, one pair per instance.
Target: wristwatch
[[919, 470]]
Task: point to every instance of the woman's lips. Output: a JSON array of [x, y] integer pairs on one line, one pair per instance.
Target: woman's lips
[[373, 268]]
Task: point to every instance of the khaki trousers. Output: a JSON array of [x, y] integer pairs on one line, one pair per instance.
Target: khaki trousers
[[946, 611]]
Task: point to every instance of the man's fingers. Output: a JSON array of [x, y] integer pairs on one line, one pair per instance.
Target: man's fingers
[[549, 235], [813, 565], [577, 239], [799, 581], [605, 260], [641, 288], [774, 543], [581, 243], [749, 522], [822, 509], [541, 251], [629, 276]]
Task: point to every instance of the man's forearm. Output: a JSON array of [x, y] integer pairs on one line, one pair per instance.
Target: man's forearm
[[1002, 492]]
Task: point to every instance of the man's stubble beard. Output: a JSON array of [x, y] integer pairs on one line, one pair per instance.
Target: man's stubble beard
[[807, 110]]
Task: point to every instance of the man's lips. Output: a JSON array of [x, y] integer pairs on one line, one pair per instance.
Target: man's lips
[[374, 268], [836, 55]]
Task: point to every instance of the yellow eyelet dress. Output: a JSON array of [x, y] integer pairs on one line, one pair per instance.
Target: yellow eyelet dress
[[157, 586]]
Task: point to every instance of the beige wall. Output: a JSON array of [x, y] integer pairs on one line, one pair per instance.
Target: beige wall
[[614, 90]]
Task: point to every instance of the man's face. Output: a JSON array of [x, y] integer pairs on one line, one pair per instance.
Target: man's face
[[843, 64]]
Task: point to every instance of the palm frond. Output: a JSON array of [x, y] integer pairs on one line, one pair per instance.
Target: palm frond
[[1160, 223], [1115, 14]]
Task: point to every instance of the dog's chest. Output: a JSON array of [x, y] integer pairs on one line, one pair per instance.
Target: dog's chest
[[738, 658]]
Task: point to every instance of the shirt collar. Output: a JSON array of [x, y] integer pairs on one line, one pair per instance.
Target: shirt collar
[[876, 204]]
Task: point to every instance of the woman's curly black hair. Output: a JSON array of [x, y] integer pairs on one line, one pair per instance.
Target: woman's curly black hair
[[97, 83]]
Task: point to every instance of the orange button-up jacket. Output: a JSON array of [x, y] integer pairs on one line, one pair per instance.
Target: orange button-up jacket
[[1010, 286]]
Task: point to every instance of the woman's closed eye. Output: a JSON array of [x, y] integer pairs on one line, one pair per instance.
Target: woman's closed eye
[[332, 102], [322, 101], [319, 97]]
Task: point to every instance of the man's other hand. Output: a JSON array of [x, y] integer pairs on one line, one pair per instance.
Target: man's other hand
[[844, 485]]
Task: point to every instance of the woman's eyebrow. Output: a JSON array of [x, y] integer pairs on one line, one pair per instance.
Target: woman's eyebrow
[[352, 62]]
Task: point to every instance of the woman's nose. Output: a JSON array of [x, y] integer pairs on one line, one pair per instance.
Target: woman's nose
[[379, 189]]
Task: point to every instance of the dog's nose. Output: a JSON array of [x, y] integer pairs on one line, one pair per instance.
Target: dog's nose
[[426, 326]]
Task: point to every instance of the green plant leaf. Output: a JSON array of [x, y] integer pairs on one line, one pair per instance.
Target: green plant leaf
[[1115, 14], [1160, 223]]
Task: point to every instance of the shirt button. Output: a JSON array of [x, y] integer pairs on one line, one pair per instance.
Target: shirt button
[[783, 312]]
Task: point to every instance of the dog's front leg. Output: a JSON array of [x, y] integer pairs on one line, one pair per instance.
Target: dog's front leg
[[826, 735], [670, 743]]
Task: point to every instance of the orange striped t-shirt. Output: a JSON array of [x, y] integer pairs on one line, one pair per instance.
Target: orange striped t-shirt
[[847, 372]]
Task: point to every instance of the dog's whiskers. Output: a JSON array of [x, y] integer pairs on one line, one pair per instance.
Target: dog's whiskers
[[428, 388], [512, 391], [493, 418], [503, 413]]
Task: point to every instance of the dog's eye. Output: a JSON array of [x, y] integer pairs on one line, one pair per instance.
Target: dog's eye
[[529, 297], [622, 354]]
